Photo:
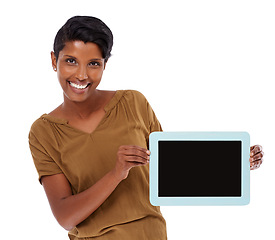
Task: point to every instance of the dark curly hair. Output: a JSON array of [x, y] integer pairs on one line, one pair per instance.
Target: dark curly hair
[[86, 29]]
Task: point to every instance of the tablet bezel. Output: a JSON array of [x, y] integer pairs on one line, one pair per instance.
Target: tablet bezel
[[155, 137]]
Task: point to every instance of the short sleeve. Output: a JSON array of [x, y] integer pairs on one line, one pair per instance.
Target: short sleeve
[[44, 164], [146, 112], [154, 124], [148, 116]]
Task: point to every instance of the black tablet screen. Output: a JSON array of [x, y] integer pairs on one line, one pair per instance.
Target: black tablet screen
[[199, 168]]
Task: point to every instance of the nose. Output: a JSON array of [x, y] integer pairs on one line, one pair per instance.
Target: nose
[[81, 73]]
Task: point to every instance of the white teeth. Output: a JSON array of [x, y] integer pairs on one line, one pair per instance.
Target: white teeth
[[78, 86]]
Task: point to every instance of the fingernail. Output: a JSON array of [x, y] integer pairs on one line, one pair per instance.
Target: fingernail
[[148, 152]]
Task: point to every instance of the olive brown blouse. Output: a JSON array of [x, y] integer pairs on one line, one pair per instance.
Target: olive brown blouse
[[84, 158]]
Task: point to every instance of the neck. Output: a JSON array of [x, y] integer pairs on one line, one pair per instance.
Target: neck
[[82, 110]]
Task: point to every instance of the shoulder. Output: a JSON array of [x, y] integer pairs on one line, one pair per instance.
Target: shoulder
[[37, 132], [134, 100], [43, 126], [134, 95], [38, 125]]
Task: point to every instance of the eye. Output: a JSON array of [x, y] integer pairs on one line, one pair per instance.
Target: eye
[[95, 64], [70, 61]]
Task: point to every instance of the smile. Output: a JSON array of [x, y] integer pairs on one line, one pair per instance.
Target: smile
[[79, 86]]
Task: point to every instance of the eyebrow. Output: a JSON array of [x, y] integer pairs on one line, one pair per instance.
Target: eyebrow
[[69, 56], [89, 60]]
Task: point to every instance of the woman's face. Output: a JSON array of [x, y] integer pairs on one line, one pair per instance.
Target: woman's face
[[79, 69]]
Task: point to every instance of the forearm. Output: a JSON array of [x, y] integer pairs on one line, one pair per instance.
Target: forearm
[[74, 209], [70, 210]]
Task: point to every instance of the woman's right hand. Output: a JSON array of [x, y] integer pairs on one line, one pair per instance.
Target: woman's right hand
[[129, 156]]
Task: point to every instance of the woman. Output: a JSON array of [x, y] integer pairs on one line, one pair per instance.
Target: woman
[[85, 148]]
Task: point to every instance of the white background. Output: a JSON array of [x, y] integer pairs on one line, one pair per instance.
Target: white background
[[203, 66]]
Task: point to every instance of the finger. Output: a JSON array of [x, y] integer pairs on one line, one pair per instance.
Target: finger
[[136, 164], [137, 154], [255, 149], [136, 151], [255, 146], [126, 147], [256, 162], [255, 165], [131, 165], [136, 159], [259, 162], [256, 157]]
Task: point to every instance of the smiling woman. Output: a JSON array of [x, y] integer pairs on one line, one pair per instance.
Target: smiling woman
[[91, 151]]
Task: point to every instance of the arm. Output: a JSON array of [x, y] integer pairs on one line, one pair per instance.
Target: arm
[[70, 210]]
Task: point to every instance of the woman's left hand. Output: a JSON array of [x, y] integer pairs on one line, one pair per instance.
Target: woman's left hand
[[256, 157]]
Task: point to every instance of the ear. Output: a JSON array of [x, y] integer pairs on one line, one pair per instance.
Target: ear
[[54, 62]]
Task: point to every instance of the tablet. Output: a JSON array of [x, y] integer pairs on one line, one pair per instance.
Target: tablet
[[199, 168]]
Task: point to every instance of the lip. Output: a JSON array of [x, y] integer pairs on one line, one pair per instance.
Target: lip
[[79, 90]]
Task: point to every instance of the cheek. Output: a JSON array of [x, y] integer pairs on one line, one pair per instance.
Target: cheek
[[65, 73], [95, 75]]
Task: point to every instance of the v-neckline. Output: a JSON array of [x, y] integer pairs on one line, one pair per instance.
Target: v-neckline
[[109, 106], [94, 130]]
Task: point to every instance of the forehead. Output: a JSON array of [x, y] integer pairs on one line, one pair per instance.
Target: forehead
[[81, 50]]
